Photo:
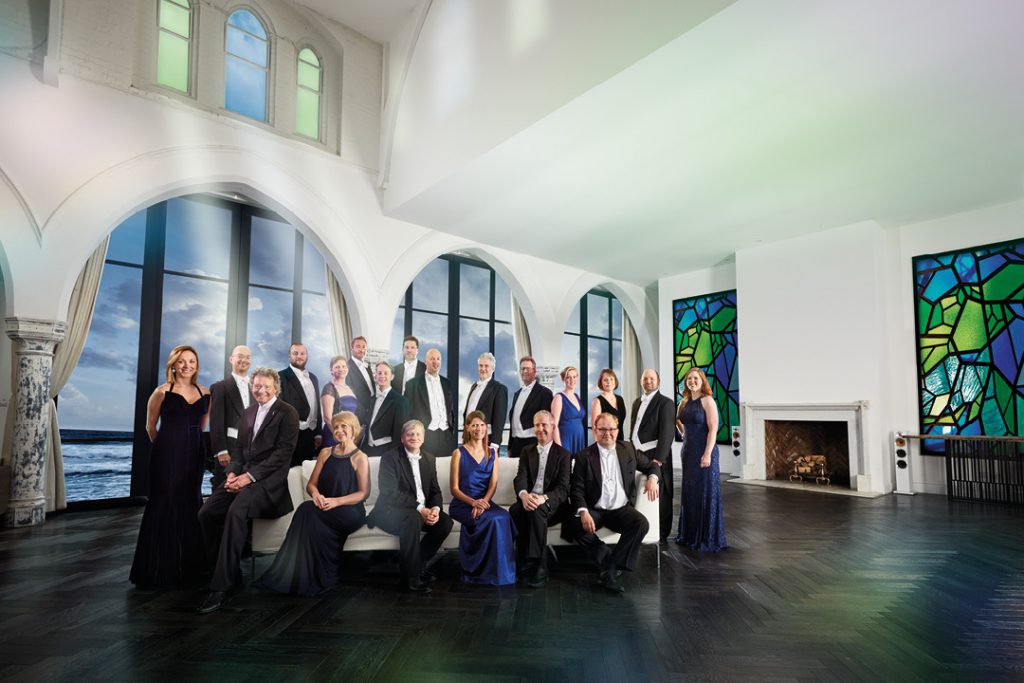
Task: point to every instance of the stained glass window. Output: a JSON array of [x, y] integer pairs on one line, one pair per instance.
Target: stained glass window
[[307, 97], [704, 329], [970, 341], [173, 44], [248, 65]]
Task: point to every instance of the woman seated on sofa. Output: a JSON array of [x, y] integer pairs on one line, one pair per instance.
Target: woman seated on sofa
[[486, 550], [307, 563]]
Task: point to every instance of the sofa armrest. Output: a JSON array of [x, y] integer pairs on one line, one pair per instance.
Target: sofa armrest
[[648, 508]]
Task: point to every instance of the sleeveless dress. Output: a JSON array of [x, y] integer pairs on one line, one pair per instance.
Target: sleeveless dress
[[619, 410], [349, 403], [308, 561], [486, 549], [571, 429], [701, 526], [170, 547]]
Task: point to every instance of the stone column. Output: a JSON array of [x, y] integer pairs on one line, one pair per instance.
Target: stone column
[[34, 342]]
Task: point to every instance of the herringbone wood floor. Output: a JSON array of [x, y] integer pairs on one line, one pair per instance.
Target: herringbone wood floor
[[815, 587]]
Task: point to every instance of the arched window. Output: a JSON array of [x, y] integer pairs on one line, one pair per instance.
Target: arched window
[[174, 44], [593, 340], [247, 66], [307, 97]]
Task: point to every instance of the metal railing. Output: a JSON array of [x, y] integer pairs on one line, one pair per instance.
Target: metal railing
[[982, 468]]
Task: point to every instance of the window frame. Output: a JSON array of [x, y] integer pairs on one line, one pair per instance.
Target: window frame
[[268, 95], [319, 92], [193, 20]]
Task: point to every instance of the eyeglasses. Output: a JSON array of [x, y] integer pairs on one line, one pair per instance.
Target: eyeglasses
[[606, 430]]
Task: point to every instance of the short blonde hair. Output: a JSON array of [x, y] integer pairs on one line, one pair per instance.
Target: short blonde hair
[[349, 418]]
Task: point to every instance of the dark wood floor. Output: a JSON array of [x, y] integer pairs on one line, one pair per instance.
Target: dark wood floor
[[815, 587]]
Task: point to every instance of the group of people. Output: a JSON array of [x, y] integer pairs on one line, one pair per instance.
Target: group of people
[[263, 422]]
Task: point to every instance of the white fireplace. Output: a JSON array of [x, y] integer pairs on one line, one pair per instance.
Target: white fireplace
[[756, 414]]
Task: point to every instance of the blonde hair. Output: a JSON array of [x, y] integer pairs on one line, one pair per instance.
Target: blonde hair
[[173, 358], [349, 418]]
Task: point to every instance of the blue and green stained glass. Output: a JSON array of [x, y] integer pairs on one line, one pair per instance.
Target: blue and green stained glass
[[970, 341], [704, 331]]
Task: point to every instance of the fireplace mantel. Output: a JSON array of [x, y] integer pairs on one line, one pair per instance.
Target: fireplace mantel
[[755, 415]]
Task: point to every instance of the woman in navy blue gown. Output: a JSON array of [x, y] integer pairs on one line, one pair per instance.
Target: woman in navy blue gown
[[335, 397], [701, 526], [170, 548], [308, 561], [569, 413], [486, 550]]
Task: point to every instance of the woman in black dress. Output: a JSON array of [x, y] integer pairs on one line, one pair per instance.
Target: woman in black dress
[[607, 401], [170, 549], [308, 561]]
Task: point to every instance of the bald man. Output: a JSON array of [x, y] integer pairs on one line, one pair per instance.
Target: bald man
[[432, 402], [229, 398]]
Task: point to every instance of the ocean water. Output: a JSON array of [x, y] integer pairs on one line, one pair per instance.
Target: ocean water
[[98, 464]]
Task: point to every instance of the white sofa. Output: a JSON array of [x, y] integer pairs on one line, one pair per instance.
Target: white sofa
[[268, 534]]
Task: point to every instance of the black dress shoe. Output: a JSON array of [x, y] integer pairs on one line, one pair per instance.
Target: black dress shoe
[[610, 582], [538, 578], [428, 576], [417, 587], [214, 601]]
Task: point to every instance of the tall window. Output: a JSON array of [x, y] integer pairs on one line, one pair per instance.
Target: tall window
[[173, 44], [191, 270], [307, 96], [592, 340], [247, 67], [461, 307]]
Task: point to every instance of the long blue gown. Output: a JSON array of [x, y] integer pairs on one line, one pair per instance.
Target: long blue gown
[[486, 549], [307, 563], [341, 403], [571, 429], [701, 526]]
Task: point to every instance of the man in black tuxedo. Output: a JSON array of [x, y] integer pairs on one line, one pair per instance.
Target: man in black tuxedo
[[229, 397], [603, 493], [533, 396], [300, 389], [256, 485], [652, 431], [360, 379], [490, 397], [390, 411], [410, 504], [431, 402], [411, 367], [542, 485]]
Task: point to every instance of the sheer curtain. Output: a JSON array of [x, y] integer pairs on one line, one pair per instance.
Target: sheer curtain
[[337, 310], [630, 381], [521, 335], [65, 358]]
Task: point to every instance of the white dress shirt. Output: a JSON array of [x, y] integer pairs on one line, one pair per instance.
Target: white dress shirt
[[542, 463], [365, 372], [421, 498], [474, 396], [438, 409], [409, 372], [243, 389], [314, 406], [261, 415], [613, 496], [518, 431], [645, 446], [373, 416]]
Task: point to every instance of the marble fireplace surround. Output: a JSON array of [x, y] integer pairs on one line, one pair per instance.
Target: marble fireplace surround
[[756, 414]]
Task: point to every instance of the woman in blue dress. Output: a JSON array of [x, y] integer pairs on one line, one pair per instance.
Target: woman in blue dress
[[308, 561], [569, 413], [701, 526], [486, 549], [335, 397]]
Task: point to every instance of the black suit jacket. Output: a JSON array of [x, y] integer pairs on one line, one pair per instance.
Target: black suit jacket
[[493, 404], [393, 413], [267, 457], [399, 371], [398, 487], [556, 473], [226, 410], [659, 424], [539, 399], [292, 394], [364, 392], [585, 487], [419, 400]]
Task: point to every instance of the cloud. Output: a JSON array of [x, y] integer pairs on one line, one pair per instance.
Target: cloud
[[92, 357], [255, 303]]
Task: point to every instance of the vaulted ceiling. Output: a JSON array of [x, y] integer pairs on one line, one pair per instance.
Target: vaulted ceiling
[[648, 138]]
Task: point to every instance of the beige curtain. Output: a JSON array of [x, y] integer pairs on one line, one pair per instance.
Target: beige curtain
[[337, 310], [631, 370], [65, 358], [520, 335]]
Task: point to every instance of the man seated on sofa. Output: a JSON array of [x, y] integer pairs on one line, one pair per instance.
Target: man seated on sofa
[[409, 504], [603, 492]]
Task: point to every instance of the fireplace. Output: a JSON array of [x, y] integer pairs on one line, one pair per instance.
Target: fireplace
[[777, 433]]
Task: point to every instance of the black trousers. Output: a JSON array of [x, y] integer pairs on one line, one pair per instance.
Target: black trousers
[[439, 442], [516, 445], [413, 550], [532, 526], [626, 521], [224, 522], [666, 486], [304, 449]]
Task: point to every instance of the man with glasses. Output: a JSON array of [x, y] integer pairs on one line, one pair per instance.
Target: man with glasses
[[602, 494]]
